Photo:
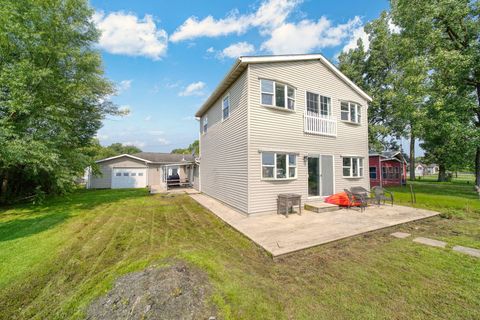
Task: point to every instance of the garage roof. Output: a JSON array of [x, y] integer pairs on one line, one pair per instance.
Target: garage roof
[[155, 157], [242, 62], [164, 157]]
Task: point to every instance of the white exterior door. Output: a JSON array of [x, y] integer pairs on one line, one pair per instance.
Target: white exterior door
[[129, 178]]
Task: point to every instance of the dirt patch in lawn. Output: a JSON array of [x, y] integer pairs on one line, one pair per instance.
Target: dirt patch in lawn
[[174, 292]]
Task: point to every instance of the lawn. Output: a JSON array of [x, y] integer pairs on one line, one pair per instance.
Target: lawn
[[57, 257]]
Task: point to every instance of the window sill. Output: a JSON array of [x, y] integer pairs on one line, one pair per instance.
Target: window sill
[[350, 122], [273, 179], [223, 120], [278, 108]]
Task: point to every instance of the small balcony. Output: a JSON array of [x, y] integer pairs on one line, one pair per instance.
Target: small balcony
[[315, 123]]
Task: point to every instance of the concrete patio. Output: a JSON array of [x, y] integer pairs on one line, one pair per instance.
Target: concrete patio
[[280, 235]]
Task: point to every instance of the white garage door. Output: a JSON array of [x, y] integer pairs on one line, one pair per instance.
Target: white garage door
[[129, 178]]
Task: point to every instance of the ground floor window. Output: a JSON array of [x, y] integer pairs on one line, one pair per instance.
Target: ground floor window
[[279, 165], [373, 173], [391, 173], [352, 167]]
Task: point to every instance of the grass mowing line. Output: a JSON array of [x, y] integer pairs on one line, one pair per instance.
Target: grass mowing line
[[88, 277], [52, 277]]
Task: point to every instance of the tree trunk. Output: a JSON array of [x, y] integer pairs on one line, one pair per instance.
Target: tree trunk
[[477, 167], [477, 157], [442, 173], [412, 157], [4, 188]]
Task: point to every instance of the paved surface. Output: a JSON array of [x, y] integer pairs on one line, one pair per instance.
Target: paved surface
[[401, 235], [279, 235], [430, 242], [470, 251]]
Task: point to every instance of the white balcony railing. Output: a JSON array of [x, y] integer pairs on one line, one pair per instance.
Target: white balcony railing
[[317, 124]]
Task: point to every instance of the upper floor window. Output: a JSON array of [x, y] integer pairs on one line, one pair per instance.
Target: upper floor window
[[277, 94], [226, 107], [205, 124], [279, 165], [352, 167], [351, 112], [319, 105]]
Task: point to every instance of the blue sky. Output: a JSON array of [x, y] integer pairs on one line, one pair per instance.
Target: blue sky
[[165, 57]]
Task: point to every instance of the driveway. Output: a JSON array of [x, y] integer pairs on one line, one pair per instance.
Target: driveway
[[280, 235]]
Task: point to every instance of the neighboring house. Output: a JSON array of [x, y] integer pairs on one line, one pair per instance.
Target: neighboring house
[[432, 169], [420, 170], [282, 124], [143, 169], [387, 168]]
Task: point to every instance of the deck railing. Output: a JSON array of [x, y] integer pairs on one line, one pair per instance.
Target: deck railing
[[314, 123]]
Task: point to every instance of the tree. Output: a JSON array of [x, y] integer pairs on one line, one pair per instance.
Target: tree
[[194, 147], [52, 95], [448, 31], [97, 151], [394, 74]]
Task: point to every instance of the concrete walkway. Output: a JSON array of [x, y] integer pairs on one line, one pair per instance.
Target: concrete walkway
[[279, 235]]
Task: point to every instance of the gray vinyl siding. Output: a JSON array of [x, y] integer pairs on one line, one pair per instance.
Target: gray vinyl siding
[[104, 180], [277, 130], [223, 149], [155, 172]]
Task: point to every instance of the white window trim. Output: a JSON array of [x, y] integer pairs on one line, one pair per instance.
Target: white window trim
[[357, 158], [287, 174], [274, 94], [358, 111], [204, 123], [227, 96], [330, 114]]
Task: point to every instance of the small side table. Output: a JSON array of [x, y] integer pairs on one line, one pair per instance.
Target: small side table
[[286, 201]]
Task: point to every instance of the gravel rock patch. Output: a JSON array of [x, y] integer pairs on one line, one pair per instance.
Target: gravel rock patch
[[174, 292]]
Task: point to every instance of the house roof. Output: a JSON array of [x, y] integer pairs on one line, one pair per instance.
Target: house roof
[[154, 157], [120, 156], [388, 155], [242, 62], [164, 157]]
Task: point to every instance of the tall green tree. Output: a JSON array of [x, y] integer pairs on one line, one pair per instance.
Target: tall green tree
[[52, 94], [449, 32], [394, 74], [194, 147]]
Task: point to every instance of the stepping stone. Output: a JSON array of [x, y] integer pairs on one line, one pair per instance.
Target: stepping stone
[[430, 242], [470, 251], [401, 235]]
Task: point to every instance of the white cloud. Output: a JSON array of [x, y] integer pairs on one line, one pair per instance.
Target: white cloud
[[163, 141], [307, 35], [269, 15], [125, 33], [188, 118], [237, 49], [358, 33], [211, 50], [138, 144], [124, 85], [148, 118], [193, 89]]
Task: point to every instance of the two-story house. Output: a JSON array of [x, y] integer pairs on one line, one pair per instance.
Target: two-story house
[[282, 124]]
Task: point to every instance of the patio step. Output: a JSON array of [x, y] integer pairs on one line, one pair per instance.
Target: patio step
[[321, 207]]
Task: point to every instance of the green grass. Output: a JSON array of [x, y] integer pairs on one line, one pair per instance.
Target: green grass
[[56, 258]]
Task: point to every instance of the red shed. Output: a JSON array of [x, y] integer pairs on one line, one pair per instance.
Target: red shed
[[387, 168]]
